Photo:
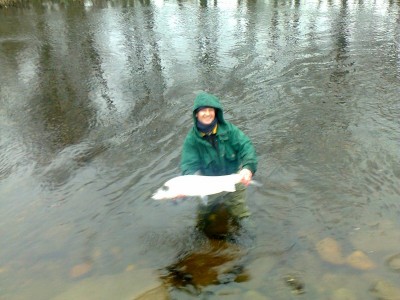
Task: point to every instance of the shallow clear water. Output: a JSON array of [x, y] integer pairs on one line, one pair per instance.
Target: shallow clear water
[[95, 102]]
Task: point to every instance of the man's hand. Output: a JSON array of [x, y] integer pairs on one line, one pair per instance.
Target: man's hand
[[246, 176]]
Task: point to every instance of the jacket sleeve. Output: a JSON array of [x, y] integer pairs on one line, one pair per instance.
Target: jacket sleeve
[[247, 152], [190, 160]]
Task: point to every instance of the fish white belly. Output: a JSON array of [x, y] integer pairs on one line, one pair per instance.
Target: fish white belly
[[197, 185]]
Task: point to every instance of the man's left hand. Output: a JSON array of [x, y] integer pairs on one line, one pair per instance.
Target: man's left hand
[[246, 176]]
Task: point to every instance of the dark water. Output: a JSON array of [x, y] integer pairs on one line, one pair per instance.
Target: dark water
[[95, 101]]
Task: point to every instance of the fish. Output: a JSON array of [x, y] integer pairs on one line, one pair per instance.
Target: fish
[[197, 186]]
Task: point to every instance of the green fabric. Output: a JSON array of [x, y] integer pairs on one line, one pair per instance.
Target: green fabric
[[235, 150]]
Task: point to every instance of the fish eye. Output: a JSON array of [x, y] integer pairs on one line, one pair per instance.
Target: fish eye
[[164, 188]]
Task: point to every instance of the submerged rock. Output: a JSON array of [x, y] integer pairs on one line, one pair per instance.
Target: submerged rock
[[393, 262], [359, 260], [80, 270], [330, 251], [386, 291]]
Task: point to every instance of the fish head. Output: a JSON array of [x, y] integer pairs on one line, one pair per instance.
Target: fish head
[[164, 192]]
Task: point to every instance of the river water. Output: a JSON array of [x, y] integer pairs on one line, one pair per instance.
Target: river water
[[95, 102]]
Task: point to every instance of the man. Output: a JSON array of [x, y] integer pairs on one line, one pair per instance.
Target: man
[[216, 147]]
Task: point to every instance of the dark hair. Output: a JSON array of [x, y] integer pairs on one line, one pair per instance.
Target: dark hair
[[202, 107]]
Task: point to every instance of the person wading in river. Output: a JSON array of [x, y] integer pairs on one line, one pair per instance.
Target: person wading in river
[[215, 147]]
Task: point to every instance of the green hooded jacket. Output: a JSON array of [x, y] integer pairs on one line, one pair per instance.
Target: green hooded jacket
[[234, 152]]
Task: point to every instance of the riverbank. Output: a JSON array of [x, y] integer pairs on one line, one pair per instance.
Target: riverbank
[[24, 3], [16, 3], [6, 3]]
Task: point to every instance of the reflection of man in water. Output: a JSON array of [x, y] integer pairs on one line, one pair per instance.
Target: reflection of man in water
[[216, 147]]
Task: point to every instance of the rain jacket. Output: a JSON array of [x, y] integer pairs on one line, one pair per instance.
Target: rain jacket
[[234, 152]]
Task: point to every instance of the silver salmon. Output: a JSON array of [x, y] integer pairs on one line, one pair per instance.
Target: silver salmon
[[197, 185]]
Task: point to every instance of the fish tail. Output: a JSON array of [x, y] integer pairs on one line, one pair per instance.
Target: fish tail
[[204, 199], [255, 183]]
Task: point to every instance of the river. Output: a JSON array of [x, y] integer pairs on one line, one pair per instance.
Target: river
[[96, 99]]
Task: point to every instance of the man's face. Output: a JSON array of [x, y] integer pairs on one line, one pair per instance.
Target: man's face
[[206, 115]]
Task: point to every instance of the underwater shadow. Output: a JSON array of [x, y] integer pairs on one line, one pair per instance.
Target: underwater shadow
[[219, 256]]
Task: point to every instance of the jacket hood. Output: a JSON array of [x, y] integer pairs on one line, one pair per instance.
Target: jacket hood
[[208, 100]]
